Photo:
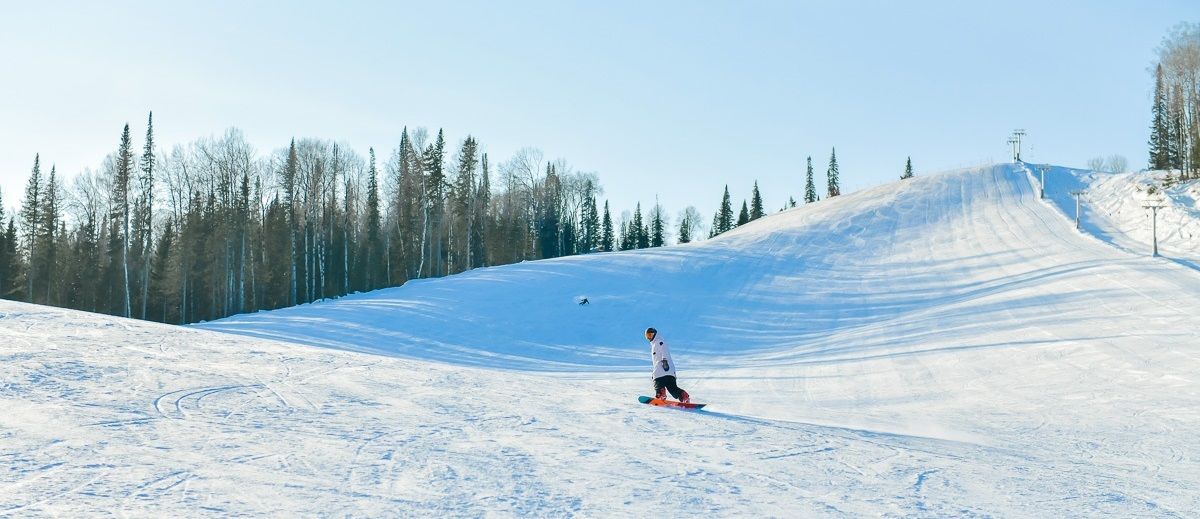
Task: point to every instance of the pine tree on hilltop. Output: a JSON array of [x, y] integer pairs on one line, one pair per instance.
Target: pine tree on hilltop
[[744, 216], [723, 219], [908, 171], [1160, 138], [810, 189], [638, 231], [657, 227], [606, 230], [756, 204], [832, 176], [685, 229]]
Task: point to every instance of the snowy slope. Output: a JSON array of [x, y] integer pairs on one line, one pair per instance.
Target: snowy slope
[[943, 346], [1113, 208]]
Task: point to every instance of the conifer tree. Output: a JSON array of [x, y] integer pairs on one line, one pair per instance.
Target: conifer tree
[[120, 215], [160, 284], [638, 230], [606, 232], [657, 227], [685, 229], [47, 257], [550, 221], [6, 272], [31, 218], [810, 189], [908, 171], [627, 240], [1160, 136], [832, 176], [744, 216], [1177, 130], [590, 229], [481, 226], [434, 198], [756, 203], [12, 267], [145, 220], [462, 200], [723, 219], [374, 245]]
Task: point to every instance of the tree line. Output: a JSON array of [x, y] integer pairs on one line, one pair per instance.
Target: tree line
[[212, 228], [1175, 110]]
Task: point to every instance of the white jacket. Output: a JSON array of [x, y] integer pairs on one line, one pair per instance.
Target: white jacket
[[661, 356]]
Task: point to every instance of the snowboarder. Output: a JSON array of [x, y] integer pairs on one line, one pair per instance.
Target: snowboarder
[[664, 368]]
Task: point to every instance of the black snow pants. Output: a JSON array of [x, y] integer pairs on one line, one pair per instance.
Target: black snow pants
[[667, 383]]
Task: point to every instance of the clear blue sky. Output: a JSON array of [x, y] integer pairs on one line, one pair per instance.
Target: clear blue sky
[[669, 98]]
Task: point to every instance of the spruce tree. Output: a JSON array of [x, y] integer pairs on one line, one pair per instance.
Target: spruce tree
[[31, 217], [374, 244], [657, 227], [756, 203], [832, 176], [626, 240], [47, 258], [810, 189], [120, 215], [590, 235], [641, 235], [606, 232], [145, 213], [5, 262], [435, 190], [10, 242], [462, 199], [685, 228], [1177, 130], [1160, 136], [723, 219], [481, 223], [908, 171], [550, 221], [744, 216], [160, 283], [569, 238], [290, 208]]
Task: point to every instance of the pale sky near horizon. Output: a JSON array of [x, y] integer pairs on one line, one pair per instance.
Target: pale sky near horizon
[[666, 99]]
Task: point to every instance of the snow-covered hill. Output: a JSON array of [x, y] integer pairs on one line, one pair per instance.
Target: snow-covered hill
[[943, 346]]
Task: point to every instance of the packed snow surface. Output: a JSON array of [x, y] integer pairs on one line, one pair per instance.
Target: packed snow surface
[[948, 345]]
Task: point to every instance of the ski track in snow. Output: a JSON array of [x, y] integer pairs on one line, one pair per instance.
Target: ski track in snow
[[944, 346]]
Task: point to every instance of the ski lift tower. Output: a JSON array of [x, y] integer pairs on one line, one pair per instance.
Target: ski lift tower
[[1012, 141], [1017, 134], [1077, 194], [1154, 206], [1042, 186]]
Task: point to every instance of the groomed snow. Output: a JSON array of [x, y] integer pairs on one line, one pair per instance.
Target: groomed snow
[[943, 346]]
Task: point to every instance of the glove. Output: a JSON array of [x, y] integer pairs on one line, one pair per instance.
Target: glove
[[666, 367]]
